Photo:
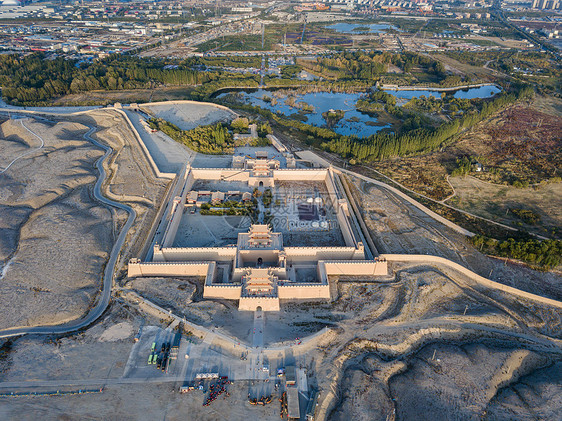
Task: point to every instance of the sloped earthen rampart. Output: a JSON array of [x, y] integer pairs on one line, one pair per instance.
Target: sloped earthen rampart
[[356, 267], [440, 261]]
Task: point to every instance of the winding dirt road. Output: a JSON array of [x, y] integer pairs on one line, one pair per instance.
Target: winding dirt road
[[27, 152], [105, 297]]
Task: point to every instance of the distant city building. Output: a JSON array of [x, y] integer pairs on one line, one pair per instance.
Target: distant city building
[[546, 4], [11, 3]]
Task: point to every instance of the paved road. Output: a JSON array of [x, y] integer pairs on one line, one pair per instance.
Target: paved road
[[103, 301], [87, 382]]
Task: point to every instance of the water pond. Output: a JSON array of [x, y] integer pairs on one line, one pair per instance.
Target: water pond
[[309, 107], [354, 28], [353, 122], [487, 91]]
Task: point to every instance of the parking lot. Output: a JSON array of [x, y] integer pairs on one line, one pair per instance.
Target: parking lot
[[203, 356]]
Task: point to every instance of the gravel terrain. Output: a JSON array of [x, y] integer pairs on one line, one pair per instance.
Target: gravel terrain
[[397, 227]]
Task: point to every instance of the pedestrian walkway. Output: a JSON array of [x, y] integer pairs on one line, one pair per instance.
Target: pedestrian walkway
[[257, 335]]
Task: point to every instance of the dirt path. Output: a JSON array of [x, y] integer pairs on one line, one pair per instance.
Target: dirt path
[[429, 212], [27, 152], [418, 205], [108, 273]]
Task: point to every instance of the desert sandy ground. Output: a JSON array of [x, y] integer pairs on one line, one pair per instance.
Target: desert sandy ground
[[143, 402], [439, 350], [422, 343], [418, 345], [131, 180], [56, 237]]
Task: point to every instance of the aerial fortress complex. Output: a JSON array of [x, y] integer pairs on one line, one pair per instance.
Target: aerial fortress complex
[[278, 233]]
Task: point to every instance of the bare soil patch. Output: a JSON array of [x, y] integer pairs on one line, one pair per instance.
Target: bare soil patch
[[494, 201], [187, 116], [460, 381], [55, 236], [397, 227], [117, 332], [420, 345], [125, 97], [99, 352], [130, 179]]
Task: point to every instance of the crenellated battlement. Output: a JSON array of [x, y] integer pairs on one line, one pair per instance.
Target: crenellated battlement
[[260, 270]]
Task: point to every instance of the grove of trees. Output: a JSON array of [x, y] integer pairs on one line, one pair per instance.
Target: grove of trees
[[544, 254], [214, 139], [31, 79], [424, 139], [371, 65]]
